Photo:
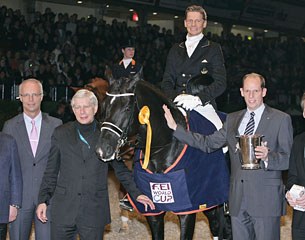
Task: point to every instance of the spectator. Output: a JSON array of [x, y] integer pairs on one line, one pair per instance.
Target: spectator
[[127, 67]]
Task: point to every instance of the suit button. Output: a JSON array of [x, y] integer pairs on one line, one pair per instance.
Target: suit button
[[183, 92], [183, 84], [79, 194], [34, 164], [183, 75], [242, 180]]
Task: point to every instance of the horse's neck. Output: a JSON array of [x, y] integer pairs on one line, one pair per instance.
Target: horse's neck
[[163, 153]]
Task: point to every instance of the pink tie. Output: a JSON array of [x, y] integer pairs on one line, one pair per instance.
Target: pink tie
[[34, 137]]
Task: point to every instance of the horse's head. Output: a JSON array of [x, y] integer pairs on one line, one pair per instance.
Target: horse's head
[[118, 114], [124, 101]]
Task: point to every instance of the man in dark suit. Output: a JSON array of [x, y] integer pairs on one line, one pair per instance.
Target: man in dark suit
[[10, 182], [76, 180], [257, 197], [195, 57], [33, 162], [296, 175]]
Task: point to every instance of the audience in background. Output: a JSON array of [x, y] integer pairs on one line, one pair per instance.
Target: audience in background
[[72, 49]]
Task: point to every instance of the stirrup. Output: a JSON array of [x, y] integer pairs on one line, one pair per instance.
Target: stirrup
[[226, 209], [125, 204]]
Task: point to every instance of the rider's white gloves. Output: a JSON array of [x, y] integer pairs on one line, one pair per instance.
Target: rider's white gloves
[[188, 102]]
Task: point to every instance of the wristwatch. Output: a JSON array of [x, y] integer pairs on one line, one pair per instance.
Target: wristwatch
[[16, 206]]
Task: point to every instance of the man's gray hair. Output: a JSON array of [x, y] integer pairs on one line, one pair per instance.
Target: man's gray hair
[[84, 93]]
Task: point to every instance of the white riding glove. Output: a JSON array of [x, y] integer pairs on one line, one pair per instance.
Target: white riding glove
[[188, 102]]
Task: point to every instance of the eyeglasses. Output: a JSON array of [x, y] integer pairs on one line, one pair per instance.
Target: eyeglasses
[[78, 107], [196, 21], [28, 95]]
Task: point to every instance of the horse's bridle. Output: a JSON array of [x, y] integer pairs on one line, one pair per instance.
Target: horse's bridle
[[121, 133]]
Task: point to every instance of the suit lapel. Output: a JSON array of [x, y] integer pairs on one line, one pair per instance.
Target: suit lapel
[[44, 137], [183, 53], [264, 123], [239, 118], [198, 50], [75, 140], [23, 134]]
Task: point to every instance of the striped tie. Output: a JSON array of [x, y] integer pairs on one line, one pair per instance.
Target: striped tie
[[250, 125]]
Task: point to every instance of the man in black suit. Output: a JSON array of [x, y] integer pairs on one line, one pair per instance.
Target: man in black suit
[[257, 197], [75, 179], [10, 182], [195, 57], [296, 175]]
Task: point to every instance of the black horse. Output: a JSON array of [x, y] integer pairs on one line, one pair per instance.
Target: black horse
[[125, 100]]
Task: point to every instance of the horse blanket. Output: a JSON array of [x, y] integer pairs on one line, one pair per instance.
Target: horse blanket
[[196, 183]]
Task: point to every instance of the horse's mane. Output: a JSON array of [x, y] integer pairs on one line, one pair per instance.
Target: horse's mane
[[148, 94], [162, 136], [125, 109]]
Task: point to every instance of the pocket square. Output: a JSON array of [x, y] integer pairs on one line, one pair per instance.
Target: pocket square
[[204, 61]]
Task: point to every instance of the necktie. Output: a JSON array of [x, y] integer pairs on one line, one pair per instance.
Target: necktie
[[34, 137], [250, 125]]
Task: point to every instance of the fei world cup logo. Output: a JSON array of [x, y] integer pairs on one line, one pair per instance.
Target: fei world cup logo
[[162, 192]]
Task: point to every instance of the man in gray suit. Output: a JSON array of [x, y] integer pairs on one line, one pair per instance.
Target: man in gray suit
[[33, 162], [257, 197]]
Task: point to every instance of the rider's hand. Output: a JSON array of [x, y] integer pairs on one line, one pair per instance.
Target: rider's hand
[[188, 102]]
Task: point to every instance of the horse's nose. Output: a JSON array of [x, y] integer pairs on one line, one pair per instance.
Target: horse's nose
[[99, 152], [108, 150]]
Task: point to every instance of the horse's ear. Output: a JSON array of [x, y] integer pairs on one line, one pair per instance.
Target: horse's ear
[[75, 89], [134, 79], [139, 75], [108, 74]]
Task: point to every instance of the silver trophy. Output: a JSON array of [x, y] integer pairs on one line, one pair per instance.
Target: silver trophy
[[246, 147]]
